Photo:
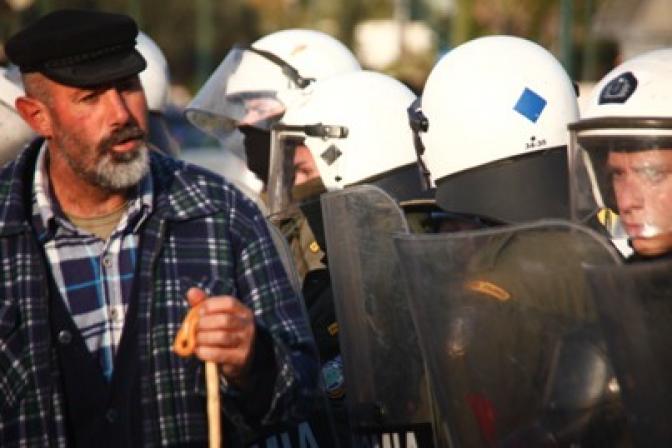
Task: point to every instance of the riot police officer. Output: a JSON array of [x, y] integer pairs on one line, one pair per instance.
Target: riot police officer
[[503, 313], [253, 86], [350, 137], [622, 159], [623, 153], [247, 93]]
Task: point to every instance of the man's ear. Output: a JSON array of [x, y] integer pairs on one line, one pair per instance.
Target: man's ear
[[35, 113]]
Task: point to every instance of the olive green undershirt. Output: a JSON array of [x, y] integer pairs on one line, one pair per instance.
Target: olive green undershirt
[[101, 226]]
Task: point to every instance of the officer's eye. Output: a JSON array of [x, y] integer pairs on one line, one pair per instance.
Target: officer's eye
[[615, 174]]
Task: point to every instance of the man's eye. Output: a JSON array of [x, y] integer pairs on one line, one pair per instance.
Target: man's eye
[[89, 98]]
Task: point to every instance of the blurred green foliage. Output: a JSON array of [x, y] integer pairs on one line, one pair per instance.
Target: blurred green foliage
[[195, 43]]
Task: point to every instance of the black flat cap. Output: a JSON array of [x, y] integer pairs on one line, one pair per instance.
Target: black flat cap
[[78, 47]]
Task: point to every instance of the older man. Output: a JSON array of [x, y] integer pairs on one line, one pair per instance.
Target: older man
[[104, 244]]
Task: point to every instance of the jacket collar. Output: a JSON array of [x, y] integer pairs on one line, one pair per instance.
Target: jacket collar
[[16, 180], [181, 191]]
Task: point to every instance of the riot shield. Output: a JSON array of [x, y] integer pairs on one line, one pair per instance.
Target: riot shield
[[507, 331], [635, 307], [386, 386]]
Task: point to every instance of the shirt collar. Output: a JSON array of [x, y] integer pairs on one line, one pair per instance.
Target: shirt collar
[[42, 197]]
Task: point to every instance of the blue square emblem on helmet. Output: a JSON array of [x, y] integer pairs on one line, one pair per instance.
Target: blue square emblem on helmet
[[530, 105]]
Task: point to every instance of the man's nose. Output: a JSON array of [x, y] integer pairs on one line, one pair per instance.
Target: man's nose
[[118, 111], [629, 195]]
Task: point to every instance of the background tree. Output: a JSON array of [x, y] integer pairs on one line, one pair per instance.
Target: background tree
[[196, 35]]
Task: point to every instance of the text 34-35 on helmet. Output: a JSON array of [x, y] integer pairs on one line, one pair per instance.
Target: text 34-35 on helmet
[[491, 102]]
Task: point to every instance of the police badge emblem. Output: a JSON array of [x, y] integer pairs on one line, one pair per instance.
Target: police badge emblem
[[619, 89]]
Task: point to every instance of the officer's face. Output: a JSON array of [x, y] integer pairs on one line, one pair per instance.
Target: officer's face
[[642, 184], [305, 168]]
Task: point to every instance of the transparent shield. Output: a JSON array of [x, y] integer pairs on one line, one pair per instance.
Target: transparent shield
[[504, 318], [635, 306], [622, 183], [243, 90], [385, 376], [281, 172]]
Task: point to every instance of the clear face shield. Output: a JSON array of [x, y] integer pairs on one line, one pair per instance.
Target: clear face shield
[[622, 179], [244, 91], [293, 172]]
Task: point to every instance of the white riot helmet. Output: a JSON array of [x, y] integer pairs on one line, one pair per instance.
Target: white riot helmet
[[155, 78], [370, 143], [491, 130], [622, 153], [253, 86], [15, 134]]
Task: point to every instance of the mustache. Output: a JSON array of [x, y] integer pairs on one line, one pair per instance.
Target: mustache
[[129, 131]]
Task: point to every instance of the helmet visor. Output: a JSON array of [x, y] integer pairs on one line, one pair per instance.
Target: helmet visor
[[622, 180], [243, 90], [288, 183], [281, 172]]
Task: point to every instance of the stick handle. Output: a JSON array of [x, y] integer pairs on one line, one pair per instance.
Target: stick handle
[[214, 420]]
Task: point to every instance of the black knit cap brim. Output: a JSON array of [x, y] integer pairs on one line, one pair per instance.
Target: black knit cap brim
[[78, 48]]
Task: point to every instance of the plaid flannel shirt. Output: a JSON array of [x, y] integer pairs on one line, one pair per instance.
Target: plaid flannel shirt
[[94, 277], [202, 231]]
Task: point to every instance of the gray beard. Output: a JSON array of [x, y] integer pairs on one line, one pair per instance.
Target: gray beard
[[114, 172], [121, 173]]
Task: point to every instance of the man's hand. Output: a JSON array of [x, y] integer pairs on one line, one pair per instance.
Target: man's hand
[[225, 334]]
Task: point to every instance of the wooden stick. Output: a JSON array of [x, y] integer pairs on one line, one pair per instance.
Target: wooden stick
[[212, 390], [184, 345]]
